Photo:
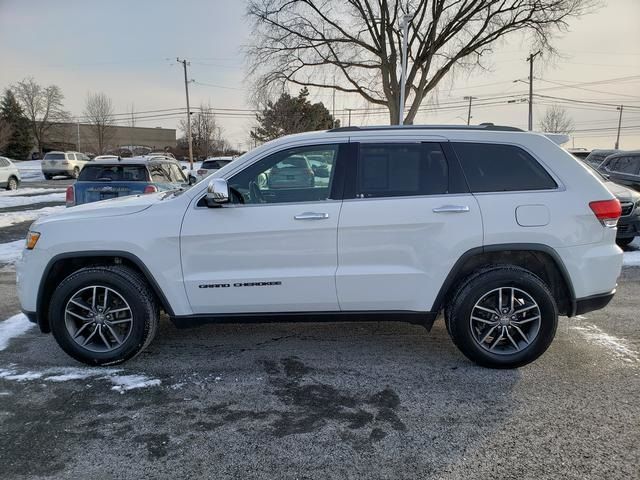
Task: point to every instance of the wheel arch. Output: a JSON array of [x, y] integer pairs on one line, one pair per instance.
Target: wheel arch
[[64, 264], [539, 259]]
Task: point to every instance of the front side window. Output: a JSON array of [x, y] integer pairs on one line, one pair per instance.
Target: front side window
[[398, 170], [501, 168], [302, 174]]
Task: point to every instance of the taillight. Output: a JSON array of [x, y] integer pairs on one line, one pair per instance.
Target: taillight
[[607, 211], [150, 189], [71, 196], [202, 172]]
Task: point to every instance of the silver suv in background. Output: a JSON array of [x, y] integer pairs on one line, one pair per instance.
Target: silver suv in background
[[68, 164], [9, 174]]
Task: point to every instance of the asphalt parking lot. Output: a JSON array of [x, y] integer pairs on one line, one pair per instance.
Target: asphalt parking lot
[[297, 401]]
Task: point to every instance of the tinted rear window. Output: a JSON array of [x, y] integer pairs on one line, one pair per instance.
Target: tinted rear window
[[114, 173], [54, 156], [501, 168], [213, 164]]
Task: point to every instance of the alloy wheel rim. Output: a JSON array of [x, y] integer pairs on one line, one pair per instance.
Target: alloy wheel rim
[[506, 320], [13, 185], [98, 318]]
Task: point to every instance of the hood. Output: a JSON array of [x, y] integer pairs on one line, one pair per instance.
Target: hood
[[622, 193], [106, 208]]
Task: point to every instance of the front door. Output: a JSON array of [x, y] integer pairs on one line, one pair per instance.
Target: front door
[[273, 248]]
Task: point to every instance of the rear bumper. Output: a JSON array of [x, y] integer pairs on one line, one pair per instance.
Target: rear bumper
[[593, 302], [57, 171]]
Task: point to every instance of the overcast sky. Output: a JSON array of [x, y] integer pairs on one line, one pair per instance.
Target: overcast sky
[[128, 49]]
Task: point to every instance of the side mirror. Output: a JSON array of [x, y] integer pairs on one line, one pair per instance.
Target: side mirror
[[217, 193], [192, 180]]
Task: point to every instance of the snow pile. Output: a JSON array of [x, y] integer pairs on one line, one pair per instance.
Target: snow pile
[[10, 252], [11, 218], [632, 255], [30, 170], [13, 327], [17, 201], [30, 191], [615, 345], [123, 383]]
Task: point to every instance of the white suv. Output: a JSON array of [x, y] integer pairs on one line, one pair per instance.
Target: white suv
[[500, 229], [63, 163]]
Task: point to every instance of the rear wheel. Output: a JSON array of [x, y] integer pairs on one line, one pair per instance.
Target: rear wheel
[[12, 184], [503, 317], [76, 172], [103, 315], [624, 242]]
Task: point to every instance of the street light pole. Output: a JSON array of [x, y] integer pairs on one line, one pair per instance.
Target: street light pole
[[530, 60], [186, 89], [619, 126], [403, 73], [470, 98]]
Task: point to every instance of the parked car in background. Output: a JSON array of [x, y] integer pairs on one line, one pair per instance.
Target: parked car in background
[[106, 157], [161, 154], [580, 153], [596, 157], [9, 174], [293, 172], [68, 164], [629, 222], [623, 168], [211, 165], [105, 179]]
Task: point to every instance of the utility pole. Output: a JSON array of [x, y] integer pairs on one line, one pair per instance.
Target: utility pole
[[349, 110], [470, 98], [530, 60], [333, 104], [186, 89], [619, 126], [403, 73], [78, 125]]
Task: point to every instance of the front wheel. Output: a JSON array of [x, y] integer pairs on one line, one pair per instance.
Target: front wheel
[[103, 315], [76, 172], [503, 317], [12, 184]]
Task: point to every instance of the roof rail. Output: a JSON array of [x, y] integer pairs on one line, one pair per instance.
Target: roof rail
[[482, 126]]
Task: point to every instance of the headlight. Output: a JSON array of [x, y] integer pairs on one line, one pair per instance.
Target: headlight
[[32, 239]]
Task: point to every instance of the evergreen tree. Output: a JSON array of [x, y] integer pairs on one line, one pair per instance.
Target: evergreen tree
[[11, 112], [291, 115]]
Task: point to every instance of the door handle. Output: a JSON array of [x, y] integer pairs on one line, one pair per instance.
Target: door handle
[[451, 209], [311, 216]]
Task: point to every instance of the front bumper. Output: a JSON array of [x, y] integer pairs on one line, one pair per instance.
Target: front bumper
[[628, 227]]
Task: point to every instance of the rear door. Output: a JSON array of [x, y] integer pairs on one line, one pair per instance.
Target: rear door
[[406, 219]]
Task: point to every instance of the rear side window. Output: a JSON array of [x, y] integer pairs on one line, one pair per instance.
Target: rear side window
[[3, 162], [501, 168], [114, 173], [400, 170], [71, 156]]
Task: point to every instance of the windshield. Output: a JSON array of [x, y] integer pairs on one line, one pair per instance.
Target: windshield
[[114, 173]]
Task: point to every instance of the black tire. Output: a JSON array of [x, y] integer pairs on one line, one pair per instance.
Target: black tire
[[132, 287], [47, 176], [459, 323], [624, 242], [12, 183]]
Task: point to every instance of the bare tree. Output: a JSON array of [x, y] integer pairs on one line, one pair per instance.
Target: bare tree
[[556, 120], [354, 46], [206, 134], [98, 111], [42, 106], [6, 132]]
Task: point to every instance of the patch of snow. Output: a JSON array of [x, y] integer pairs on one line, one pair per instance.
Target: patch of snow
[[30, 191], [20, 377], [123, 383], [11, 218], [631, 256], [17, 201], [13, 327], [30, 170], [10, 252], [617, 346]]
